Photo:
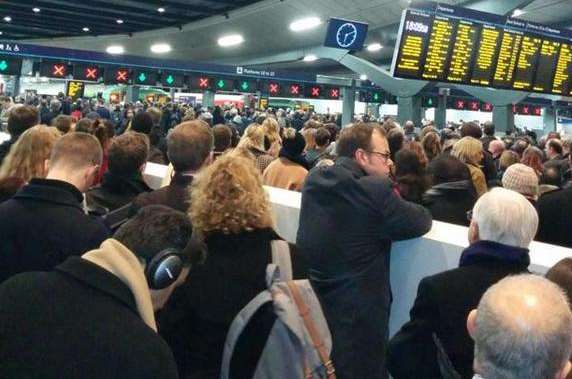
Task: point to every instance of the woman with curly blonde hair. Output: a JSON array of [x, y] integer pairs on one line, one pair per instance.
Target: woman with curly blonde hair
[[232, 215], [469, 150], [28, 155], [272, 134]]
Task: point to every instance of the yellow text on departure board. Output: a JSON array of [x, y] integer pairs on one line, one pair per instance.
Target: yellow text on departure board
[[438, 49]]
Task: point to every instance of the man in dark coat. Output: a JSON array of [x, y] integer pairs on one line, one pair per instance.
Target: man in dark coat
[[124, 180], [350, 215], [499, 247], [20, 119], [93, 317], [44, 222], [189, 147], [452, 193], [554, 210]]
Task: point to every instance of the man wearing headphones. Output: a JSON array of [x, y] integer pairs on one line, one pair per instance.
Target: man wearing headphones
[[93, 316]]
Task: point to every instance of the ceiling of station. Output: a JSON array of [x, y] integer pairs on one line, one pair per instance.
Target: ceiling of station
[[265, 28], [61, 18]]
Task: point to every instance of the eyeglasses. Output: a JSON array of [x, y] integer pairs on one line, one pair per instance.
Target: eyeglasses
[[385, 156]]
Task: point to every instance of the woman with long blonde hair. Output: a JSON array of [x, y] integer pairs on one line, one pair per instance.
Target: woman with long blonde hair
[[27, 157], [469, 150], [252, 145], [272, 134], [232, 216]]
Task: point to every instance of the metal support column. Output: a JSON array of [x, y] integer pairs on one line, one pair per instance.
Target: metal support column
[[348, 104], [409, 108], [503, 118], [441, 113], [208, 99], [549, 120], [132, 94]]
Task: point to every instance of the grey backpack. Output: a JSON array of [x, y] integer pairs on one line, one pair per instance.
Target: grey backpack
[[299, 343]]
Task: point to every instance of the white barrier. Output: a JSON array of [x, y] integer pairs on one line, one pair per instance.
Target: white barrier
[[411, 260]]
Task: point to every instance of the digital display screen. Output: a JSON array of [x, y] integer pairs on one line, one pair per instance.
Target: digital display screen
[[10, 66], [456, 45], [116, 75], [86, 72], [145, 77], [172, 79], [53, 69]]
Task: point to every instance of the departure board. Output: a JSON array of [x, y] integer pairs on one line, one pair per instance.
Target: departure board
[[445, 43], [506, 63], [414, 44], [461, 57], [487, 52], [438, 49], [546, 65], [529, 52], [562, 77]]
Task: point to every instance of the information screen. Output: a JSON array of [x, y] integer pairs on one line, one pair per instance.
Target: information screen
[[451, 44]]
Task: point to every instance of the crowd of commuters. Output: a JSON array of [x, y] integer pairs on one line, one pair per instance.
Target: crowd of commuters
[[102, 276]]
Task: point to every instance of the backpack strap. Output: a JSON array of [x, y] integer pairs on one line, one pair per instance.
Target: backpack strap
[[281, 258], [304, 312]]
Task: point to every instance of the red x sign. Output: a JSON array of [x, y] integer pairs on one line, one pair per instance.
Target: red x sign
[[121, 75], [91, 73], [273, 88], [474, 105], [203, 82], [316, 91], [334, 93], [59, 70], [294, 89]]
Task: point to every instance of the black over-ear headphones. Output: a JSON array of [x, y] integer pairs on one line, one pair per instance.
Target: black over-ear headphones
[[164, 269]]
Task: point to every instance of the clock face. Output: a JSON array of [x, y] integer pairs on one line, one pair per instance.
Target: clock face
[[346, 35]]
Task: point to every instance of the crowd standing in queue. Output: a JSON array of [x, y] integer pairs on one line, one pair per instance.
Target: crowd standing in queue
[[102, 276]]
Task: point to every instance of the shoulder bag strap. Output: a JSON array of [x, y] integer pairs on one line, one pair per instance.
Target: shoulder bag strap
[[304, 312]]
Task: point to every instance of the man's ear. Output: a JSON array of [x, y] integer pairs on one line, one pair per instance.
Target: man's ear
[[360, 157], [472, 323], [473, 232]]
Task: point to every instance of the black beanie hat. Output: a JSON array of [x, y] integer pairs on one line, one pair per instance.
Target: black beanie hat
[[293, 142]]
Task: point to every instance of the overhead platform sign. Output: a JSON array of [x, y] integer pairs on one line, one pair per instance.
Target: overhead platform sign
[[344, 34], [456, 45]]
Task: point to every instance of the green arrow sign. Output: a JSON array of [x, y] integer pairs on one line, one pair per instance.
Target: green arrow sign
[[244, 86], [170, 79], [3, 65], [376, 96], [220, 83], [142, 77]]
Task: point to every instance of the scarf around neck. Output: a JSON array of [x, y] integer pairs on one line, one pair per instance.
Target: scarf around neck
[[114, 257]]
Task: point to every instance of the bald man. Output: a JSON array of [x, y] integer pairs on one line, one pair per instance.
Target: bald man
[[522, 329]]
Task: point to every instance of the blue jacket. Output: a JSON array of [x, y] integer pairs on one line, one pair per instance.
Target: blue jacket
[[347, 222]]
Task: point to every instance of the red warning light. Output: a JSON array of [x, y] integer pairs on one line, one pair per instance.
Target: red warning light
[[334, 93], [295, 89], [315, 91], [122, 75], [537, 111], [526, 109], [91, 73], [204, 83], [460, 104], [474, 105], [273, 88], [487, 107], [59, 70]]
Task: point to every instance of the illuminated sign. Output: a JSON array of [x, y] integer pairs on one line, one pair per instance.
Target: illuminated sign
[[75, 89], [430, 101], [10, 66], [377, 97], [172, 79], [145, 77], [474, 105], [294, 90], [201, 82], [486, 107], [224, 84], [272, 88], [333, 93], [314, 91], [89, 73], [53, 70], [246, 86], [118, 75]]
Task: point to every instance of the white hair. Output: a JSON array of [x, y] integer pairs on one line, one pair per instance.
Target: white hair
[[506, 217]]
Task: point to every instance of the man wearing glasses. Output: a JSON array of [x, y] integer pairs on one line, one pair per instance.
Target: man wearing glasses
[[348, 219]]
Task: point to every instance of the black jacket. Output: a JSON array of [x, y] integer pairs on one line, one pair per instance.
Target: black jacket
[[5, 148], [79, 321], [489, 168], [115, 191], [442, 305], [175, 195], [450, 202], [42, 225], [554, 210], [347, 222], [197, 317]]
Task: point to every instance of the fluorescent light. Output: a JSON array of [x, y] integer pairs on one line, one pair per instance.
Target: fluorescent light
[[1, 33], [373, 47], [85, 29], [119, 21], [363, 77], [305, 24], [161, 10], [518, 12], [36, 10], [160, 48], [115, 49], [7, 18], [230, 40], [310, 58]]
